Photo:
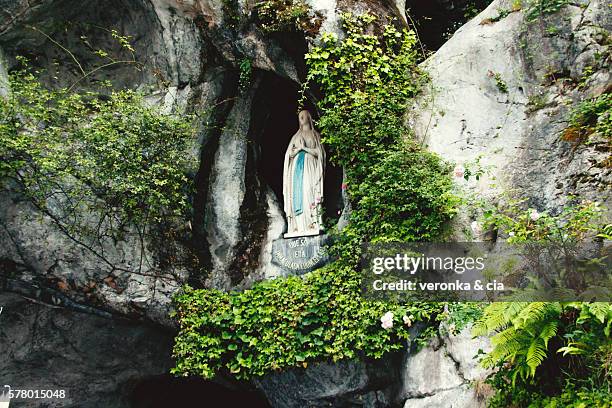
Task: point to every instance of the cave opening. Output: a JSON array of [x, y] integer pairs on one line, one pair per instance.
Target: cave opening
[[275, 121], [167, 391]]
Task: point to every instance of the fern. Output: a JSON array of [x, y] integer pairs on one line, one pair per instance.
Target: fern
[[601, 310], [536, 353], [522, 331]]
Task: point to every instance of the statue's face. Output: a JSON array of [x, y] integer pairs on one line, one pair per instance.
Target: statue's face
[[303, 118]]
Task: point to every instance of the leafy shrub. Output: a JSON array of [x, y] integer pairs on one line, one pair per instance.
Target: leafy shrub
[[591, 116], [398, 190], [539, 8], [501, 85], [575, 223], [405, 197], [286, 16], [96, 165]]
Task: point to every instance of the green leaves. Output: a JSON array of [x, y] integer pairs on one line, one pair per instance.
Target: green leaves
[[398, 190], [285, 323], [538, 8], [591, 116], [286, 16], [521, 347], [97, 166]]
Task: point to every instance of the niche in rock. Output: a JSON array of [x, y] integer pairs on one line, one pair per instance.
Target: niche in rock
[[275, 121]]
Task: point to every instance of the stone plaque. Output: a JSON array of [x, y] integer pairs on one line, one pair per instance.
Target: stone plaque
[[300, 255]]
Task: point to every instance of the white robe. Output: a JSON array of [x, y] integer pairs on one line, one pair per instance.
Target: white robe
[[310, 221]]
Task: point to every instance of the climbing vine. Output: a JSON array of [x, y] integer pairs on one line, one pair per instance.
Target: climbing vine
[[287, 323], [399, 190]]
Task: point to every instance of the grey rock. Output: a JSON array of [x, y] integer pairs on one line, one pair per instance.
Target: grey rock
[[457, 397], [227, 190], [464, 350], [276, 227], [341, 384], [465, 114], [327, 8], [110, 276], [427, 372], [444, 373], [3, 76], [95, 360]]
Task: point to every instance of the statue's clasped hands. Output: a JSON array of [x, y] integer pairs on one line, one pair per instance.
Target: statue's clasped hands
[[295, 151]]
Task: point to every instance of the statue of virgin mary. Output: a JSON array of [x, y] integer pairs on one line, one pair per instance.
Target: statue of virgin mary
[[303, 180]]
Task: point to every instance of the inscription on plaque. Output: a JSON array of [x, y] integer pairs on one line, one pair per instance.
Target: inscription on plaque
[[300, 255]]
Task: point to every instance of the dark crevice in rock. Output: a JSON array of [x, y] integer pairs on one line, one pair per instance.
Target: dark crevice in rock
[[90, 357], [344, 384], [295, 46], [437, 20], [253, 216], [275, 116], [218, 117]]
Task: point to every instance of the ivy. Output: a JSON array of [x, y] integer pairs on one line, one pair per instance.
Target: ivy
[[399, 190], [286, 323]]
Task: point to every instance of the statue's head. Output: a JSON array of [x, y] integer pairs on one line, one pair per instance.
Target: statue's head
[[305, 119]]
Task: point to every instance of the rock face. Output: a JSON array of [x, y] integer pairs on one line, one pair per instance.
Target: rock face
[[343, 384], [97, 361], [46, 347], [227, 190], [442, 374], [446, 373], [503, 91], [191, 53]]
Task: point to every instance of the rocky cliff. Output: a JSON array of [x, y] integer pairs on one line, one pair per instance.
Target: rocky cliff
[[501, 88]]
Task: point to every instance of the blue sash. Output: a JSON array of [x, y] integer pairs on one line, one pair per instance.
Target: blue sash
[[298, 185]]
